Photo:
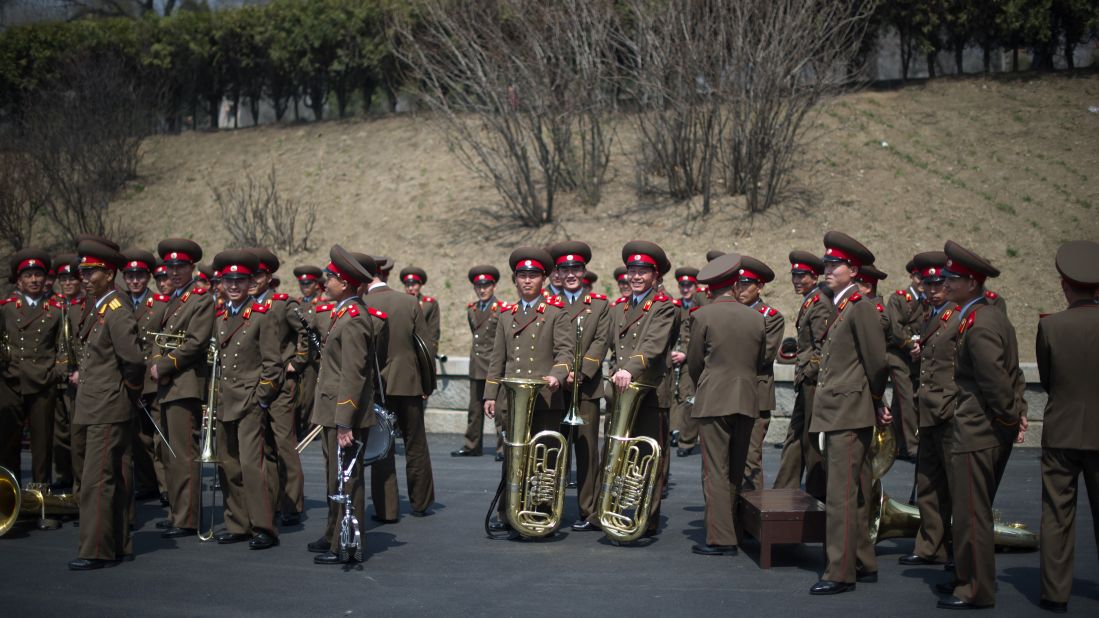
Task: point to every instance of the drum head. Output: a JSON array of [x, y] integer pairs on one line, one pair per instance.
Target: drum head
[[380, 438]]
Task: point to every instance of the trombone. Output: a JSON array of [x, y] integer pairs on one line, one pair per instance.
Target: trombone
[[208, 454], [573, 418]]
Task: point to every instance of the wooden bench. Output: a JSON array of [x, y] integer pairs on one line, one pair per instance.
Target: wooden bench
[[780, 516]]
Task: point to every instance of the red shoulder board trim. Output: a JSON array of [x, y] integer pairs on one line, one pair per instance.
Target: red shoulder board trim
[[161, 298], [677, 302], [502, 305], [991, 295], [598, 296], [220, 312], [378, 313], [662, 297], [260, 307], [557, 302], [945, 317], [470, 305], [901, 293], [353, 311], [56, 305], [199, 291], [514, 308], [280, 297], [695, 308], [6, 301], [856, 297], [621, 299], [324, 307], [881, 309], [967, 322], [428, 299]]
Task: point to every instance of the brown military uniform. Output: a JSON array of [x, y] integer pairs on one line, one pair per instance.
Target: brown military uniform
[[482, 327], [404, 397], [727, 353], [148, 472], [681, 420], [906, 312], [63, 448], [801, 450], [181, 392], [776, 326], [432, 320], [111, 369], [851, 381]]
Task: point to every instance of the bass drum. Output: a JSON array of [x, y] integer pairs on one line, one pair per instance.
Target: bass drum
[[379, 441]]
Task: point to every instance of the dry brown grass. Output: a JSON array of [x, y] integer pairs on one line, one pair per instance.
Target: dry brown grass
[[1007, 167]]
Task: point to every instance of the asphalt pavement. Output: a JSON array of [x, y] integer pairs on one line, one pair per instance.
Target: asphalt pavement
[[444, 565]]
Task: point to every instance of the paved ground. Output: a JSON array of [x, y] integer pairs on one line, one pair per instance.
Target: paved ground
[[444, 565]]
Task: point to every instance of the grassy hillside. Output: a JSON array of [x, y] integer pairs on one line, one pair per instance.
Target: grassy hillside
[[1008, 167]]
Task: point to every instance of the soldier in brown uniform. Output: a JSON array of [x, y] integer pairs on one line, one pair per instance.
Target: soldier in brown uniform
[[588, 281], [644, 325], [848, 398], [414, 278], [287, 481], [1067, 350], [592, 311], [684, 428], [987, 420], [752, 277], [162, 280], [545, 327], [404, 397], [934, 354], [310, 283], [109, 377], [482, 315], [181, 375], [620, 279], [71, 298], [31, 323], [345, 387], [137, 271], [251, 358], [907, 310], [801, 451], [727, 351]]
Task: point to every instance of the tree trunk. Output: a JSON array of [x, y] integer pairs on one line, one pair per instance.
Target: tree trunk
[[987, 57], [1014, 59], [369, 86], [280, 104], [958, 52], [931, 65], [316, 100], [253, 106], [297, 114], [906, 55], [1070, 47], [212, 104]]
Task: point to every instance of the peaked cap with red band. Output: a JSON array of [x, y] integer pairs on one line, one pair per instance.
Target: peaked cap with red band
[[870, 274], [345, 266], [179, 251], [686, 273], [236, 264], [804, 262], [530, 258], [713, 254], [752, 269], [138, 260], [1078, 263], [961, 262], [268, 261], [645, 253], [570, 253], [413, 274], [930, 265], [484, 273], [721, 272], [839, 247], [620, 273], [65, 264], [94, 254], [307, 273], [29, 258]]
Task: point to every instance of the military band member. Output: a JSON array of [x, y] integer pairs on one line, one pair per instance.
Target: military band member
[[31, 322], [181, 375], [71, 297], [753, 276], [404, 396], [1067, 350], [644, 325], [987, 421], [310, 284], [414, 278], [136, 273], [589, 279], [287, 480], [726, 353], [620, 279], [345, 388], [801, 451], [110, 376], [162, 280], [848, 398], [937, 396], [570, 260], [544, 327], [482, 315], [684, 428], [906, 309], [384, 264]]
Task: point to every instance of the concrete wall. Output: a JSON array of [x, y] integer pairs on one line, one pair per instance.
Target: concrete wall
[[446, 411]]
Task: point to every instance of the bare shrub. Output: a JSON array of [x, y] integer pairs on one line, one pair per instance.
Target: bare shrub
[[257, 215], [22, 198]]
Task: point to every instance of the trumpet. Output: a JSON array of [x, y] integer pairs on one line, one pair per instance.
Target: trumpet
[[573, 418], [208, 454], [629, 475], [536, 466], [168, 341]]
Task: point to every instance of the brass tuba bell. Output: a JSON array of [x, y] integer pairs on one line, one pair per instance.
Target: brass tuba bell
[[16, 502], [537, 469], [631, 465]]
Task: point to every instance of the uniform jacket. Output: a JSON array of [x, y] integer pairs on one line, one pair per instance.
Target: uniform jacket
[[112, 365], [250, 360], [938, 394], [727, 352], [776, 326], [345, 380], [1067, 350], [641, 339], [433, 322], [288, 326], [906, 317], [482, 328], [401, 371], [191, 312], [853, 367], [32, 337], [595, 310], [814, 316], [532, 344], [989, 380]]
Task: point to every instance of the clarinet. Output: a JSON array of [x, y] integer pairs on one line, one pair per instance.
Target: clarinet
[[350, 536], [312, 337]]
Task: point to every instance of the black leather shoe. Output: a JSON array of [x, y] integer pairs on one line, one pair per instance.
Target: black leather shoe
[[914, 560], [466, 452], [499, 457], [715, 550], [826, 587], [866, 577], [228, 538], [330, 558], [178, 533], [1053, 606], [320, 546], [423, 513], [164, 525], [498, 526], [684, 452], [90, 564], [675, 438], [956, 603], [583, 525], [163, 498], [382, 520], [946, 588], [262, 540], [290, 519], [146, 494]]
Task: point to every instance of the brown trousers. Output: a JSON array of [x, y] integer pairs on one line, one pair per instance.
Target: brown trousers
[[725, 442], [357, 482], [307, 388], [585, 449], [475, 419], [38, 408], [383, 474], [681, 420], [244, 477], [106, 492], [848, 546], [753, 466], [934, 488], [182, 422], [62, 435], [801, 450], [904, 379], [145, 468], [977, 476], [286, 479], [1061, 470]]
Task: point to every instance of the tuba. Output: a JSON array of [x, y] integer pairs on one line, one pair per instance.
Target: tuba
[[890, 519], [34, 500], [629, 474], [536, 466]]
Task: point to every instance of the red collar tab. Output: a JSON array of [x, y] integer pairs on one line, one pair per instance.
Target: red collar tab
[[324, 307]]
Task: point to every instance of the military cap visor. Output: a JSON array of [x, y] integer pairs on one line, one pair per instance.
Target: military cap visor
[[839, 247], [645, 253], [1078, 263], [570, 253], [483, 273], [721, 272], [345, 266], [305, 274], [175, 251], [530, 259], [961, 262], [236, 264], [94, 254], [268, 261]]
